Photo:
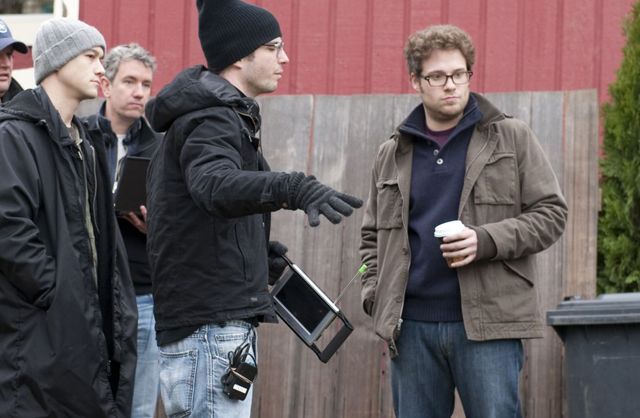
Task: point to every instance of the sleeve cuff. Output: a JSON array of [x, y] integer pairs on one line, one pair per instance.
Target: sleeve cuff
[[487, 248]]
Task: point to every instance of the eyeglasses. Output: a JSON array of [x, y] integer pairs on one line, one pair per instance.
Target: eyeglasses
[[276, 46], [439, 80]]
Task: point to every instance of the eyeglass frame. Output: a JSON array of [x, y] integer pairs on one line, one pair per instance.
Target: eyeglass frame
[[447, 77], [278, 45]]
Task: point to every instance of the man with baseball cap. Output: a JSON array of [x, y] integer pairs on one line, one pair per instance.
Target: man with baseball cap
[[68, 317], [210, 193], [8, 86]]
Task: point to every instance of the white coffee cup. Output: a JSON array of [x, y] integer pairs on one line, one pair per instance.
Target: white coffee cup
[[446, 229]]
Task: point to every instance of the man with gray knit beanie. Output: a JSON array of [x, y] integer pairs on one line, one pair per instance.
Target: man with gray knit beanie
[[68, 314], [210, 194]]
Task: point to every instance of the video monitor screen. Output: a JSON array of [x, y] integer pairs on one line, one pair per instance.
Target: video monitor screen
[[303, 303]]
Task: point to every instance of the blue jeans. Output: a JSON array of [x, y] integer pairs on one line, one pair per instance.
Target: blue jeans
[[147, 386], [191, 369], [434, 358]]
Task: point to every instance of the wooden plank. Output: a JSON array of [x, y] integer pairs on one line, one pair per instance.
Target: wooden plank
[[581, 186], [323, 250], [517, 105], [363, 363], [541, 376], [285, 142]]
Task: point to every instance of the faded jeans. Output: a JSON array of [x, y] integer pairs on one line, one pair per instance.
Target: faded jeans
[[191, 369], [434, 358], [147, 386]]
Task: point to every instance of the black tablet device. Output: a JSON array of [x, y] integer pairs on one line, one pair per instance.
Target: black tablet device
[[307, 310], [130, 191]]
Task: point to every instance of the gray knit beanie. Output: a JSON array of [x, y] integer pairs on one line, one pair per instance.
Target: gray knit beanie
[[60, 40]]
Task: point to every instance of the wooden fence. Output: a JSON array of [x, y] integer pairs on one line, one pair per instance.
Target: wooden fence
[[336, 138]]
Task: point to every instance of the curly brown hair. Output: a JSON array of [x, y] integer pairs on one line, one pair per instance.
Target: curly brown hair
[[424, 42]]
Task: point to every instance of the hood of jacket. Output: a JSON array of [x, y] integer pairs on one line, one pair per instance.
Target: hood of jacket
[[194, 89], [35, 106], [140, 136]]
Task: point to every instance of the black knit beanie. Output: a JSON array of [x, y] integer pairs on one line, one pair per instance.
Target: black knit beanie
[[229, 30]]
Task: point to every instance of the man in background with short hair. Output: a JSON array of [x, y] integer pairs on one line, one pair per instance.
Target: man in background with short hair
[[9, 87], [126, 85]]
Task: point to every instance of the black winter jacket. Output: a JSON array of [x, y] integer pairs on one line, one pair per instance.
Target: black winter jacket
[[209, 194], [144, 142], [66, 345], [14, 89]]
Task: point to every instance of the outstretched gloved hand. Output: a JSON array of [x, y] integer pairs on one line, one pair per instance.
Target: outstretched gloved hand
[[276, 262], [315, 198]]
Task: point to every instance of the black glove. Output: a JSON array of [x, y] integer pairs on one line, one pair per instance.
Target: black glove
[[315, 198], [276, 262]]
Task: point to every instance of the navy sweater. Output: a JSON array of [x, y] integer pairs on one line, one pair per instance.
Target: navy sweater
[[437, 177]]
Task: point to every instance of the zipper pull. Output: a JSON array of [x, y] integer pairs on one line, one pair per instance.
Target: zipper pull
[[108, 367], [79, 152]]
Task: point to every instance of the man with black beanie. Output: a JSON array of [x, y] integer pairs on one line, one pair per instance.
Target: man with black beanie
[[210, 193]]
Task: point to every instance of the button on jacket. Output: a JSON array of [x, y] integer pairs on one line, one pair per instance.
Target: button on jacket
[[510, 197]]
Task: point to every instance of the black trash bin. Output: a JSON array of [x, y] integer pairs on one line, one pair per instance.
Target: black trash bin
[[602, 355]]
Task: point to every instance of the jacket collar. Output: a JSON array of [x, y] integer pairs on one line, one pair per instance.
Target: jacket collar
[[104, 125], [35, 106], [415, 125], [14, 89]]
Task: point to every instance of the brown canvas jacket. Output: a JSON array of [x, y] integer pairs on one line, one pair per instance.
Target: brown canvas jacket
[[510, 197]]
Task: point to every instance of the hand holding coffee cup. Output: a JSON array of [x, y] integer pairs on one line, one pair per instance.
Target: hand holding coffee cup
[[447, 229]]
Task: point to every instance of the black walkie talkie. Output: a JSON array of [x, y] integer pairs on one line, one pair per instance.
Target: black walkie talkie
[[238, 379]]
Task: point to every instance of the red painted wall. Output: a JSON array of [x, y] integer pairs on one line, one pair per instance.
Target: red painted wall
[[355, 46]]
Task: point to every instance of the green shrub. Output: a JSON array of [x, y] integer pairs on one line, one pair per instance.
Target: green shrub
[[619, 221]]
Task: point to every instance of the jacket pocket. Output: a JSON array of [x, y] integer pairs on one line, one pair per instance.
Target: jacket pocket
[[496, 184], [389, 214], [521, 268]]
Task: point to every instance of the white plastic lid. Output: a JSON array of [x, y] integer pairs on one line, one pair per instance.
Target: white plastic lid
[[448, 228]]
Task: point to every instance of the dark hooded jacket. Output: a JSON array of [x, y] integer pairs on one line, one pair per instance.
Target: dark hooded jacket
[[67, 330], [142, 142], [209, 194], [14, 89]]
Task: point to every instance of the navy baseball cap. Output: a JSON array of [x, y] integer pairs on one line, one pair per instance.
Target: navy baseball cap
[[6, 39]]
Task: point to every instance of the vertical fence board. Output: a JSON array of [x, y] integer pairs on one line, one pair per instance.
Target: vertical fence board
[[517, 105], [324, 247], [543, 364], [285, 138], [581, 187], [362, 367]]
